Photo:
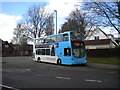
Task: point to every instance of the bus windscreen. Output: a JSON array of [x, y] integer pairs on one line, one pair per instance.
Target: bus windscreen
[[76, 36]]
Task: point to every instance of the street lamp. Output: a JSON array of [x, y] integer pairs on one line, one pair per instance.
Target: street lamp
[[56, 20]]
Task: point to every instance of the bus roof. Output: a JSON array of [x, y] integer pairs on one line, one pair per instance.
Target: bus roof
[[57, 34], [62, 33]]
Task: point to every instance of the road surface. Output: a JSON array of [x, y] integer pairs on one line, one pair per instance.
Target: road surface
[[23, 72]]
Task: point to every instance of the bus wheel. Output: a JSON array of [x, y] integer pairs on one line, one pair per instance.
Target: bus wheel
[[59, 62], [38, 60]]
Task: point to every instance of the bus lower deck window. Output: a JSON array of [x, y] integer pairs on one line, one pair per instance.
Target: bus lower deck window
[[43, 51], [38, 52], [47, 51]]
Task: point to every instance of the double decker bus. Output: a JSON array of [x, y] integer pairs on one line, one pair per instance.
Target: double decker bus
[[63, 48]]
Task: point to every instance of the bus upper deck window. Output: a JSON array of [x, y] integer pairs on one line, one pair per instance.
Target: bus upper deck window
[[65, 37], [59, 38], [53, 38], [76, 36]]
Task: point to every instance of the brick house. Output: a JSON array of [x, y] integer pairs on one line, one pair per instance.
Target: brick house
[[9, 49], [26, 50]]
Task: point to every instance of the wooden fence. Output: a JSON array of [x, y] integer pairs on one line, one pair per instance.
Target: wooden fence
[[112, 52]]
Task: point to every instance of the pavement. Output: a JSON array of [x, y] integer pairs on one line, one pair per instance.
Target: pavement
[[105, 66]]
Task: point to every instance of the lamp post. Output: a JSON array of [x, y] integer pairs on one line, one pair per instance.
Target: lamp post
[[56, 20]]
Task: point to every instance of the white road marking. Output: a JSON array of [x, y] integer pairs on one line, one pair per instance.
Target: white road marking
[[67, 78], [88, 80], [28, 69], [8, 87], [16, 70], [112, 72]]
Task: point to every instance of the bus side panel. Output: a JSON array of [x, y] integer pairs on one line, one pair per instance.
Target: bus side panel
[[51, 59], [79, 60], [71, 60], [66, 60]]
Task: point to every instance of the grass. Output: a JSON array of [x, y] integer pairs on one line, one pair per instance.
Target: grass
[[112, 60]]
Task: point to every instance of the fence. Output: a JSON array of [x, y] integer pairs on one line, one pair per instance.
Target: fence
[[112, 52], [17, 53]]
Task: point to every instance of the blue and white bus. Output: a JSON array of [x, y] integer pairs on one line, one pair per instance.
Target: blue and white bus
[[64, 48]]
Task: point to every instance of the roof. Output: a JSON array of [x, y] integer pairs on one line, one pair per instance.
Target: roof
[[98, 42]]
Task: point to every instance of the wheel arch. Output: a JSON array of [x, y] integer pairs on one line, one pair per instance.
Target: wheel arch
[[59, 61]]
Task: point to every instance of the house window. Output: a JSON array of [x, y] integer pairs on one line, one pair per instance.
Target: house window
[[96, 37], [6, 46]]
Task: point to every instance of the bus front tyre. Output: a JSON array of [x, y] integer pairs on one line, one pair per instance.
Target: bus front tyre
[[59, 62], [38, 60]]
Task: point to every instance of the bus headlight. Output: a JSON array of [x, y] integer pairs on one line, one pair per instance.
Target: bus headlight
[[76, 52], [73, 61]]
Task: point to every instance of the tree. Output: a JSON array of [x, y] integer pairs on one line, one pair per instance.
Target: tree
[[20, 35], [106, 14], [36, 19], [36, 22], [69, 25], [77, 20], [50, 25]]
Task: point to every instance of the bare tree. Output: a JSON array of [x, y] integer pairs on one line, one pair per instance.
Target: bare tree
[[37, 19], [50, 25], [106, 14], [69, 25], [21, 35], [79, 21], [36, 22], [20, 38]]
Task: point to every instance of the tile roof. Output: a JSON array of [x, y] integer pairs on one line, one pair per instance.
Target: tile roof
[[98, 42]]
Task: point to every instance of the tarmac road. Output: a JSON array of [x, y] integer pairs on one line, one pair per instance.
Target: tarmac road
[[23, 72]]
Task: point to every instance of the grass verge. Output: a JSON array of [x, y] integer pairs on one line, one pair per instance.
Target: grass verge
[[112, 60]]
